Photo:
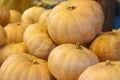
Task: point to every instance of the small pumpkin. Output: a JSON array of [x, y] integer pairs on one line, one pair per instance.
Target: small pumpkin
[[75, 21], [15, 32], [4, 15], [32, 15], [15, 16], [11, 49], [68, 61], [24, 67], [107, 46], [109, 70], [38, 41], [44, 17], [3, 36]]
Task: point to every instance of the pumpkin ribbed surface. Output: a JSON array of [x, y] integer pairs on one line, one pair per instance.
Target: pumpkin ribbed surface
[[75, 21], [109, 70], [68, 61], [38, 41], [24, 67]]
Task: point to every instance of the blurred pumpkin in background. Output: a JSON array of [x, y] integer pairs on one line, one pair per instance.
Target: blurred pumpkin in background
[[19, 5]]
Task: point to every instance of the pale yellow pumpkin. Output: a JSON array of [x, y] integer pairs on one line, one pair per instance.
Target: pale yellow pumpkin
[[102, 71], [38, 41], [32, 14], [68, 61], [75, 21], [3, 36], [44, 17], [107, 46], [15, 32], [4, 15], [25, 67], [15, 16], [11, 49]]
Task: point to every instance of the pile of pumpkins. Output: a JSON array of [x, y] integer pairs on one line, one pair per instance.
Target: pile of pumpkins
[[41, 44]]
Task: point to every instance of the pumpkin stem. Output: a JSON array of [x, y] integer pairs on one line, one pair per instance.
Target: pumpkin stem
[[34, 62], [108, 62], [71, 8], [18, 24], [78, 45]]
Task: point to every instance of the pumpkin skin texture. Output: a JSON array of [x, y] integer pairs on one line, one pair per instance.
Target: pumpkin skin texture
[[3, 36], [102, 71], [32, 15], [107, 46], [67, 61], [15, 16], [30, 68], [15, 32], [78, 21], [19, 5], [38, 41], [44, 17], [4, 15], [11, 49]]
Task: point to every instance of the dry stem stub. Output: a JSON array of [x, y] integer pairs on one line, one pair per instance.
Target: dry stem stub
[[71, 8], [78, 45]]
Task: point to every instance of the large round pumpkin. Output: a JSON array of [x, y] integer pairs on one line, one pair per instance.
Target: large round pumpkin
[[107, 46], [38, 41], [15, 32], [24, 67], [4, 15], [32, 14], [15, 16], [44, 17], [75, 21], [11, 49], [102, 71], [68, 61], [3, 36]]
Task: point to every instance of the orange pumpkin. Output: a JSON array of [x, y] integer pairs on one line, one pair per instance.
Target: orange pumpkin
[[68, 61], [24, 67], [11, 49], [4, 15], [3, 36], [15, 32], [15, 16], [107, 46], [75, 21]]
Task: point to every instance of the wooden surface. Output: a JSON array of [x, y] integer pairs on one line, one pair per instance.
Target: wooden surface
[[109, 11]]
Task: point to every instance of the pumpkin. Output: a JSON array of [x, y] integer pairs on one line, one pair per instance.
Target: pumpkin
[[15, 32], [107, 46], [3, 36], [68, 61], [44, 17], [32, 14], [11, 49], [109, 70], [75, 21], [24, 67], [4, 15], [19, 5], [15, 16], [38, 41]]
